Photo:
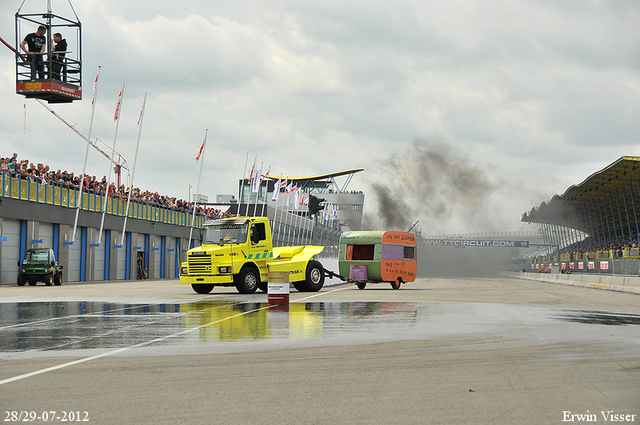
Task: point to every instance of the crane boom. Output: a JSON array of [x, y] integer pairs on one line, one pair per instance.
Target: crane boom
[[118, 160]]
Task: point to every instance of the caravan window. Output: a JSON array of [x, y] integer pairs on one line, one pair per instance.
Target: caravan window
[[409, 252], [360, 252]]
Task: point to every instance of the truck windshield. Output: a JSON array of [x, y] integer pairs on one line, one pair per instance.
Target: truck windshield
[[229, 233], [36, 257]]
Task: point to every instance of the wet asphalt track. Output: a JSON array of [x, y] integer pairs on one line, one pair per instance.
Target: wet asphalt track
[[435, 351]]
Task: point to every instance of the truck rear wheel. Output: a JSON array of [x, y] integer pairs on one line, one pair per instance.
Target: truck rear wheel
[[202, 289], [58, 279], [247, 281], [315, 276], [300, 286]]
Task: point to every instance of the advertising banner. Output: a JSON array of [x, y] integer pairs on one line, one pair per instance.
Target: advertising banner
[[473, 243]]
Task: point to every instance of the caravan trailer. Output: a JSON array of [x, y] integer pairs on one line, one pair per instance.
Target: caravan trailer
[[378, 256]]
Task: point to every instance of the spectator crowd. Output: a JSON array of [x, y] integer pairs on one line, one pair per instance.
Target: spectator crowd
[[42, 173], [605, 243]]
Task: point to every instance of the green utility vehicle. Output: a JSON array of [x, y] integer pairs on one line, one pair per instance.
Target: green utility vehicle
[[40, 264]]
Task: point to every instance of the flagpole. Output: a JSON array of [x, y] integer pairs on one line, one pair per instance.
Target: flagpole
[[251, 177], [309, 224], [276, 193], [288, 216], [113, 150], [86, 153], [258, 177], [290, 225], [195, 201], [133, 171], [298, 217], [266, 190], [244, 173]]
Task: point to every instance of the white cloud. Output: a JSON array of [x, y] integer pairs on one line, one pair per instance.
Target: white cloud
[[537, 94]]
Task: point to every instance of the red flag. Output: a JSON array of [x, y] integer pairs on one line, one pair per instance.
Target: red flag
[[251, 173], [117, 114], [142, 109], [201, 149], [95, 87]]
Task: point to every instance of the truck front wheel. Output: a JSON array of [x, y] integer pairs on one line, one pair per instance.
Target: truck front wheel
[[247, 281], [315, 276], [21, 280], [202, 289]]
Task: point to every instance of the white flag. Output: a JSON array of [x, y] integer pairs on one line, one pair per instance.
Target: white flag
[[257, 179], [276, 191]]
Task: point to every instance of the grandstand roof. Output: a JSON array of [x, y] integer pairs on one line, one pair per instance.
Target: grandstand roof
[[320, 177], [322, 182], [600, 192]]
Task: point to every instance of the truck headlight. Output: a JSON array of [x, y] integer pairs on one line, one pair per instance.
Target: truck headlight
[[228, 269], [184, 270]]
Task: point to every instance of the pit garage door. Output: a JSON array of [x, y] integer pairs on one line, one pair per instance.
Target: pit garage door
[[45, 232], [73, 273], [10, 251]]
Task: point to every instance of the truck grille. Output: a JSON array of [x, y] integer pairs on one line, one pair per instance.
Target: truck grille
[[200, 264]]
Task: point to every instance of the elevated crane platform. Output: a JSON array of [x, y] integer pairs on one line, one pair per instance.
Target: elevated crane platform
[[51, 75]]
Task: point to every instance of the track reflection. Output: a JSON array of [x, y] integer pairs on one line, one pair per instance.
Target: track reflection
[[46, 326]]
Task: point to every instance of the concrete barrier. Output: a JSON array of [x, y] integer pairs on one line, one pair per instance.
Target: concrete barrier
[[629, 284]]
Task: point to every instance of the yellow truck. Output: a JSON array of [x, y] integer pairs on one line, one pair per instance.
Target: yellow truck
[[239, 252]]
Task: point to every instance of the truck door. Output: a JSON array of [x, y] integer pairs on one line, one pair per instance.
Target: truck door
[[260, 247]]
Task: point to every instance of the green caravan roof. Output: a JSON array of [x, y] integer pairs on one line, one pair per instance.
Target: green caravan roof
[[378, 236], [362, 236]]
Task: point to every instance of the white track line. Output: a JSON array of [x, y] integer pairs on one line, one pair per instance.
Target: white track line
[[143, 344], [322, 293], [120, 350]]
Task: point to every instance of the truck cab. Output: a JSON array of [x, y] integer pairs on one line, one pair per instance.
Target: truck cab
[[39, 265], [239, 252]]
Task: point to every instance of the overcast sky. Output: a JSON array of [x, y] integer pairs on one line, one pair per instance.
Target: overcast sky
[[529, 96]]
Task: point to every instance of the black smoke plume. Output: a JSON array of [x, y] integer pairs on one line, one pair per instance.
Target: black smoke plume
[[431, 181]]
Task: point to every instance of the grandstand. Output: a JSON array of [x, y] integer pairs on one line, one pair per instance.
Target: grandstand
[[594, 223]]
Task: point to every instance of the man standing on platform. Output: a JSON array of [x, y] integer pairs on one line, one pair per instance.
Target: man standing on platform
[[37, 45], [57, 58]]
